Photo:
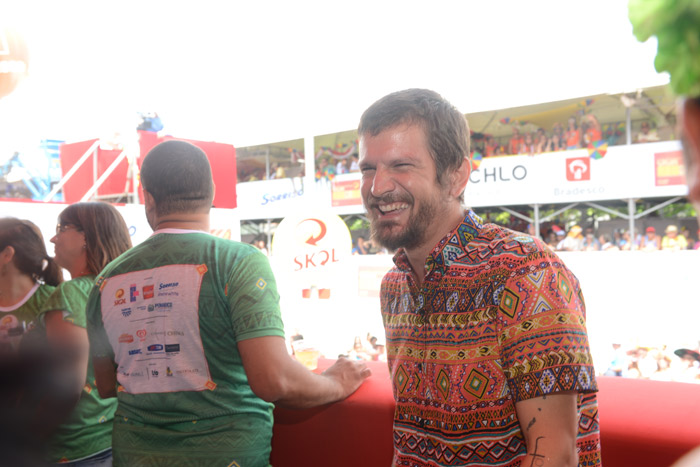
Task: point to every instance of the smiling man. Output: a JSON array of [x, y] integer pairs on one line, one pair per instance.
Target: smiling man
[[485, 327]]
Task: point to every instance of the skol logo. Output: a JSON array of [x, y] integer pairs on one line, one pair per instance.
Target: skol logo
[[120, 297]]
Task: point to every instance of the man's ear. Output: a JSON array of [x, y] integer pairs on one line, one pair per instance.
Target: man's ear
[[691, 125], [690, 119], [460, 177], [148, 201]]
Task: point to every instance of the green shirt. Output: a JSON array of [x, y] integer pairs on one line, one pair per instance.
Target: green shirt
[[170, 312], [88, 429], [22, 314]]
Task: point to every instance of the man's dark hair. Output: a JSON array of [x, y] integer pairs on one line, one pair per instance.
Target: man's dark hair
[[178, 176], [445, 127]]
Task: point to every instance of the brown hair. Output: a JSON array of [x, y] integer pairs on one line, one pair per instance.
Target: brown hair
[[178, 176], [106, 233], [445, 127], [30, 256]]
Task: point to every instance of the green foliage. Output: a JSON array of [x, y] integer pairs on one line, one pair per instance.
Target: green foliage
[[678, 210], [358, 224], [676, 25]]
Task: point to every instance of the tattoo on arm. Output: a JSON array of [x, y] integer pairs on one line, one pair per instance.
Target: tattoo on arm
[[537, 459], [532, 422]]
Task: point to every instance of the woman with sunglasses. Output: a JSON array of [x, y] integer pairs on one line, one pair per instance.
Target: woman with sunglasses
[[88, 237]]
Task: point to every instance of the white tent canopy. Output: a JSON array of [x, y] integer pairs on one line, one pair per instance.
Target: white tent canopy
[[252, 73]]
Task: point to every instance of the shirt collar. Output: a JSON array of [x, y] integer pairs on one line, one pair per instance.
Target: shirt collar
[[450, 247]]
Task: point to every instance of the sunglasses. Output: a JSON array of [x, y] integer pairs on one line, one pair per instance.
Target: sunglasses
[[60, 228]]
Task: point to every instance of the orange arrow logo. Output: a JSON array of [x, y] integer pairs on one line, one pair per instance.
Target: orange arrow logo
[[313, 240]]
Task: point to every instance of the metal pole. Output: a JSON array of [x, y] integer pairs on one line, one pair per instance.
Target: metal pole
[[537, 220], [309, 167], [93, 189], [269, 238], [628, 125], [72, 171], [631, 207]]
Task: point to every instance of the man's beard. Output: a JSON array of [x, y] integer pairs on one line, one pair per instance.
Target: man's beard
[[413, 235]]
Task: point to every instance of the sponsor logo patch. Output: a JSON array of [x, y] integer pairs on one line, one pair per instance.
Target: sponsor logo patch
[[147, 291], [126, 339]]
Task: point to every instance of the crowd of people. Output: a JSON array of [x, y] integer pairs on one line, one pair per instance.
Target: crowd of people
[[578, 239], [579, 132], [652, 362]]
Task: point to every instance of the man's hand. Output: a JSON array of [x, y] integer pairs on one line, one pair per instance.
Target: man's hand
[[348, 374], [275, 376]]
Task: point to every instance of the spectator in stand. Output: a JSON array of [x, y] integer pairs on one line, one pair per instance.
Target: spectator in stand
[[685, 232], [592, 132], [354, 167], [278, 172], [625, 242], [572, 135], [559, 143], [528, 146], [672, 241], [553, 238], [590, 243], [651, 241], [647, 134], [325, 170], [490, 147], [541, 141], [340, 167], [618, 362], [358, 351], [573, 240], [554, 143], [360, 246], [516, 141], [607, 244]]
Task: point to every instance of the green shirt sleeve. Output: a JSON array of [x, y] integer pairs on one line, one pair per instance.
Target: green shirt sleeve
[[99, 343], [253, 299], [70, 299]]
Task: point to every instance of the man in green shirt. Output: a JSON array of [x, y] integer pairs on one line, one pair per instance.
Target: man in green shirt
[[185, 329]]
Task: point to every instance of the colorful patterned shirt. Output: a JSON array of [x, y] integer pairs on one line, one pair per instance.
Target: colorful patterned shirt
[[498, 319]]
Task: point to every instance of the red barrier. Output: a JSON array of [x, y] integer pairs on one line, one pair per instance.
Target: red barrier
[[643, 424], [222, 158]]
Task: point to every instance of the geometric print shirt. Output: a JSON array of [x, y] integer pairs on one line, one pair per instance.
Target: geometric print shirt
[[498, 319]]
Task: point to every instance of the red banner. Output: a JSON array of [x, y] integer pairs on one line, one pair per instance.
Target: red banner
[[346, 193], [668, 168], [222, 158]]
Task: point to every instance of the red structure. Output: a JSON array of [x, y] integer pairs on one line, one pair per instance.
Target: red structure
[[222, 158], [642, 424]]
